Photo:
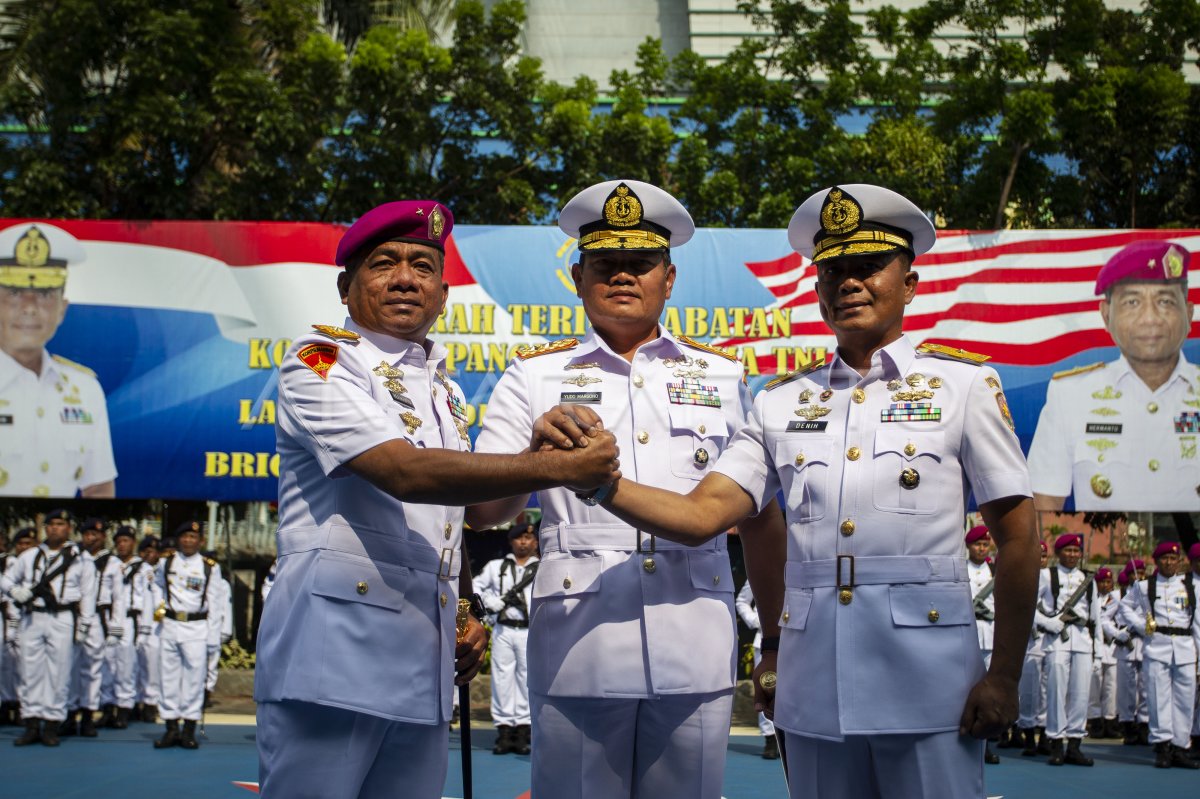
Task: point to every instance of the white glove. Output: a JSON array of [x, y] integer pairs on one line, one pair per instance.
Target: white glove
[[20, 594], [81, 635], [10, 635], [1122, 637], [1054, 626], [226, 638]]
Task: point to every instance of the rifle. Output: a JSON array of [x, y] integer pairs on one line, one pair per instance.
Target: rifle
[[982, 611], [1067, 612]]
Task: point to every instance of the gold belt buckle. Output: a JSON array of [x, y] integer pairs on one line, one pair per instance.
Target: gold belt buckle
[[845, 586], [445, 564], [651, 550], [181, 615]]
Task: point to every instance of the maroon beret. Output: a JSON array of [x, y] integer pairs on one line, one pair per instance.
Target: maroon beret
[[1144, 261], [1123, 578], [425, 222], [1194, 552], [1167, 548], [1045, 549], [1104, 573], [977, 533], [1068, 540]]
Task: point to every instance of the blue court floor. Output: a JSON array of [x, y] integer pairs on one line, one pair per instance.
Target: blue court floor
[[123, 764]]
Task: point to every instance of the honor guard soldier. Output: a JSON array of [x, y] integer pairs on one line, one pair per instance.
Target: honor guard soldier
[[1102, 702], [982, 577], [1122, 436], [132, 596], [1131, 685], [55, 420], [55, 588], [1069, 613], [1194, 561], [187, 583], [89, 674], [631, 659], [505, 586], [1032, 689], [1161, 610], [881, 686], [747, 609], [219, 632], [10, 673], [149, 635], [357, 652]]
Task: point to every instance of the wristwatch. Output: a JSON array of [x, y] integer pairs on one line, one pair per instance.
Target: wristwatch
[[596, 497]]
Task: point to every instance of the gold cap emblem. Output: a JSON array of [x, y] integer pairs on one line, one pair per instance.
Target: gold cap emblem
[[623, 208], [32, 265], [437, 223], [840, 214], [1173, 263]]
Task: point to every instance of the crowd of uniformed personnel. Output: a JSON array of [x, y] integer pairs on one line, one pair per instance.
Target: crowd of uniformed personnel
[[1112, 655], [98, 637]]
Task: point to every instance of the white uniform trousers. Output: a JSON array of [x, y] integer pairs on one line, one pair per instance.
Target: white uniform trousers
[[1102, 693], [669, 747], [1067, 693], [87, 676], [1196, 716], [765, 726], [1171, 699], [510, 683], [47, 653], [149, 676], [306, 750], [940, 764], [1031, 692], [10, 657], [213, 659], [123, 663], [183, 666], [1131, 693]]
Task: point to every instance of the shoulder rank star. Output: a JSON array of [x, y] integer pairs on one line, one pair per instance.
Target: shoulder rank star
[[525, 353], [952, 353], [337, 333]]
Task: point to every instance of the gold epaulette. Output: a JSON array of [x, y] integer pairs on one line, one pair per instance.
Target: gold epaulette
[[69, 362], [1078, 370], [812, 366], [210, 562], [952, 353], [527, 352], [337, 333], [691, 342]]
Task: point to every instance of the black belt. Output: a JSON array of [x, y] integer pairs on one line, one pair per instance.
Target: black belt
[[133, 614], [520, 624], [73, 607], [183, 615], [1173, 631]]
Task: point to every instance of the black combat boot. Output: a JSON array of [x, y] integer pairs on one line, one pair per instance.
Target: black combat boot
[[33, 732], [1093, 728], [504, 740], [49, 734], [149, 713], [990, 757], [521, 738], [87, 725], [69, 726], [108, 718], [1182, 758], [1112, 730], [1162, 754], [770, 748], [170, 737], [1043, 743], [121, 719], [1056, 752], [188, 739], [1075, 755], [1143, 733], [1130, 729], [1030, 736], [1011, 739]]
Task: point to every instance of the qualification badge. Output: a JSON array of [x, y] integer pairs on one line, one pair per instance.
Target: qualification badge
[[411, 421], [319, 357]]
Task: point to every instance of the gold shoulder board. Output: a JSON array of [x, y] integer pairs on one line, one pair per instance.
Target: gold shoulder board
[[336, 333], [1078, 370], [210, 561], [811, 366], [526, 352], [691, 342], [952, 353], [69, 362]]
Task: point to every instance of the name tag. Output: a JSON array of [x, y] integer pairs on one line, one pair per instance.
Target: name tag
[[1106, 429], [6, 419], [581, 397], [806, 427]]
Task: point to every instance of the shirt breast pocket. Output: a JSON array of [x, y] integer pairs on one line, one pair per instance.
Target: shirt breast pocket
[[803, 465], [905, 464], [698, 434]]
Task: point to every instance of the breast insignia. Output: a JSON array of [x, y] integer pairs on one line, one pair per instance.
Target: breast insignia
[[337, 333], [69, 362], [952, 353], [691, 342], [811, 366], [526, 352], [1078, 370]]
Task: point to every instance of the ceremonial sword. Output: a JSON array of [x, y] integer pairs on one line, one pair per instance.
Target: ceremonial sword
[[464, 702]]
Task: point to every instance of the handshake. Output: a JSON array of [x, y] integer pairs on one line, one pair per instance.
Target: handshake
[[576, 435]]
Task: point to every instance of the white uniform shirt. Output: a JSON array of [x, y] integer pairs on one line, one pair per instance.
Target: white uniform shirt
[[76, 584], [980, 575], [748, 610], [107, 583], [1079, 637], [1170, 610], [54, 437], [496, 578], [837, 444], [133, 586], [1104, 431], [367, 584], [191, 586], [608, 620], [1106, 644]]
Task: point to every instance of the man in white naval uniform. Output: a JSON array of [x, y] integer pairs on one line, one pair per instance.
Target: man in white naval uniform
[[10, 654], [881, 686], [1123, 436], [219, 634], [54, 436], [132, 586], [1194, 576], [632, 639], [149, 636], [1131, 685], [747, 609], [1161, 610], [187, 583], [1032, 689], [1068, 612], [357, 652], [1102, 701], [981, 575], [506, 586], [89, 674], [54, 586]]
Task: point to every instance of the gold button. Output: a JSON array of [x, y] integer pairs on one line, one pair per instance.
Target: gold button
[[859, 396], [716, 579], [1101, 486], [701, 456], [1152, 407], [1153, 465], [442, 599], [448, 530], [910, 449], [934, 615], [643, 437], [566, 582], [649, 565], [935, 382], [800, 459], [845, 596], [910, 479], [362, 587], [638, 381], [847, 527], [853, 453], [786, 615], [703, 429], [41, 412], [45, 466], [826, 394]]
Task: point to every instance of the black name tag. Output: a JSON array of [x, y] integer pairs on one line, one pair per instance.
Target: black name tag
[[581, 397], [1101, 427], [806, 427], [7, 419]]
